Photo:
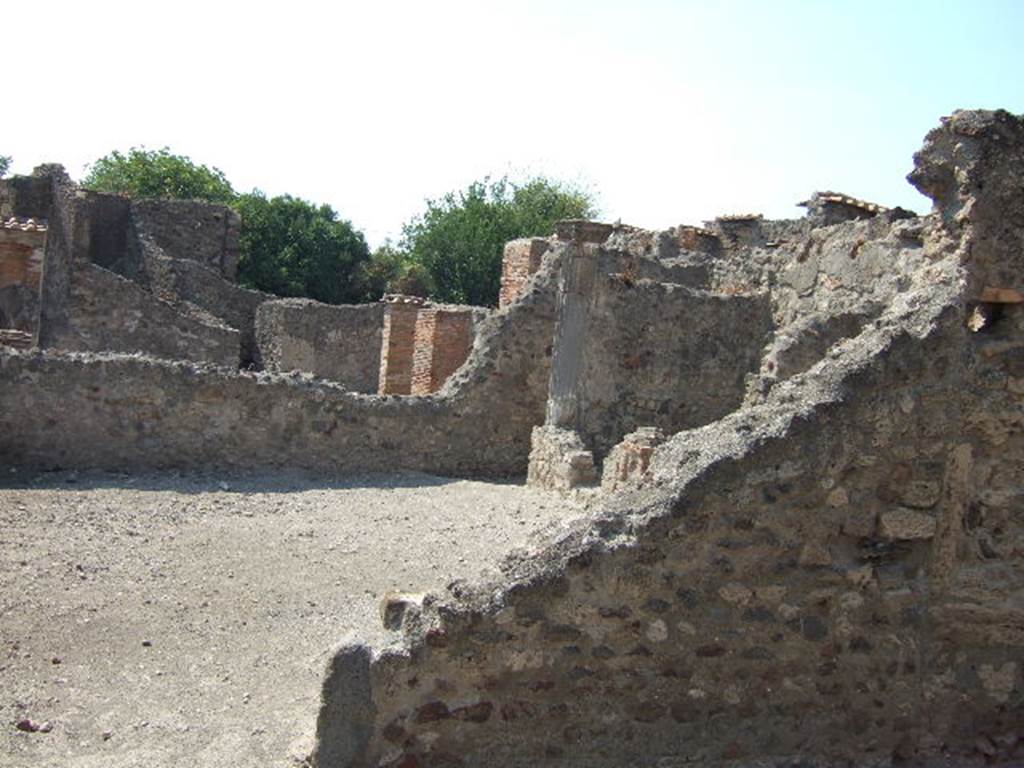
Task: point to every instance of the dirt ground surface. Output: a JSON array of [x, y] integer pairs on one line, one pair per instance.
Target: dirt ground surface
[[169, 620]]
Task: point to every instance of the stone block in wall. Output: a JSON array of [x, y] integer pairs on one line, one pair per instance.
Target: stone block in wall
[[521, 259], [442, 339], [559, 460], [398, 343], [629, 461], [340, 343]]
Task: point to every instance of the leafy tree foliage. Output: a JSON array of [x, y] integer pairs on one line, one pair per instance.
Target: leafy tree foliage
[[158, 173], [288, 246], [458, 241], [292, 247], [5, 163], [389, 270]]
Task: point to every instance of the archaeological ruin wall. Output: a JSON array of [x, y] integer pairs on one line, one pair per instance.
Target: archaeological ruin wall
[[130, 412], [827, 576], [21, 265], [339, 343]]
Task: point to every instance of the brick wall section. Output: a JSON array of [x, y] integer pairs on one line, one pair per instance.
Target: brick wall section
[[21, 254], [397, 344], [522, 258], [441, 344]]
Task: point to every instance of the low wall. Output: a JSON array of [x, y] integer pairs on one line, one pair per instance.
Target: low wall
[[126, 413], [339, 343], [137, 322]]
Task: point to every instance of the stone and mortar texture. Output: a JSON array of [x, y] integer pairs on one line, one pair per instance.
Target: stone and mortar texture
[[131, 411], [829, 574], [339, 343]]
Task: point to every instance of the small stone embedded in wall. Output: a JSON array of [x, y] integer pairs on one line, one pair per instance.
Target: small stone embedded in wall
[[907, 524]]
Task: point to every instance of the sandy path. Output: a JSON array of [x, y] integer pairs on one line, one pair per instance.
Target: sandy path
[[168, 620]]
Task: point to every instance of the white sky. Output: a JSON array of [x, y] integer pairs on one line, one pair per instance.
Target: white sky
[[670, 111]]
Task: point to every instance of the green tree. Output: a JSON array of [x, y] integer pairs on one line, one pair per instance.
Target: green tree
[[292, 247], [459, 239], [389, 270], [5, 163], [158, 173]]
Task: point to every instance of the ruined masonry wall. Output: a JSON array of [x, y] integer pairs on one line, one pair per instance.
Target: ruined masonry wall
[[183, 229], [653, 355], [795, 585], [138, 322], [339, 343], [128, 413]]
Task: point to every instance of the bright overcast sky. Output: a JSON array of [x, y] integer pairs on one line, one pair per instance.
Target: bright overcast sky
[[672, 112]]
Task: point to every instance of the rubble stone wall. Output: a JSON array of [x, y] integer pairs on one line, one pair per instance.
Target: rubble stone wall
[[340, 343], [638, 353], [128, 412], [186, 282], [26, 197], [828, 577], [193, 230], [138, 322], [802, 593]]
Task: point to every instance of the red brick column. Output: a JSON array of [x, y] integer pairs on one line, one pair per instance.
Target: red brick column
[[521, 259], [398, 344], [443, 338]]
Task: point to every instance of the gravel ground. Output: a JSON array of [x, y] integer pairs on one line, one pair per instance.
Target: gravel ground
[[186, 620]]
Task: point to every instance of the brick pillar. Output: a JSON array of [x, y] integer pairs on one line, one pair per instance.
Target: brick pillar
[[521, 259], [444, 336], [21, 253], [398, 343]]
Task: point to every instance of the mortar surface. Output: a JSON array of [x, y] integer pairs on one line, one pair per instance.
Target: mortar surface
[[174, 619]]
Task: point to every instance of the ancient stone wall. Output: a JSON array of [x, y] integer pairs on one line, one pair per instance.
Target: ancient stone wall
[[188, 284], [340, 343], [27, 197], [138, 322], [638, 353], [193, 230], [127, 412]]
